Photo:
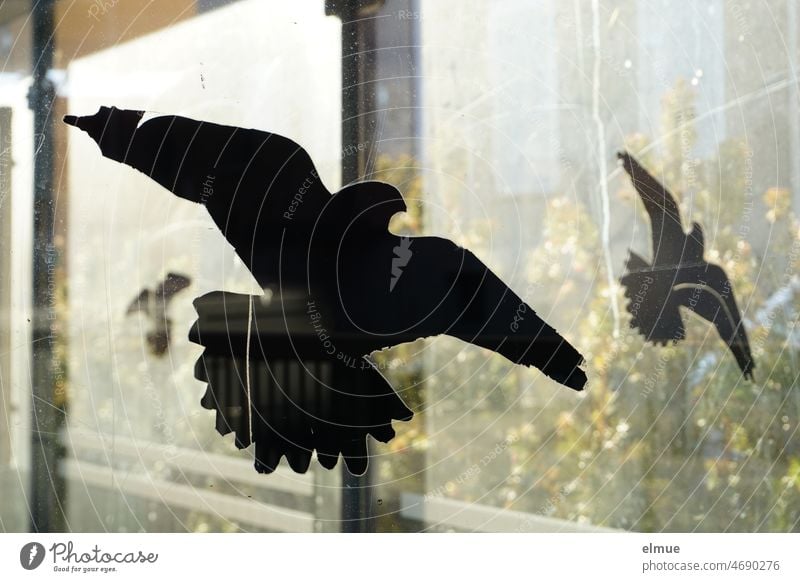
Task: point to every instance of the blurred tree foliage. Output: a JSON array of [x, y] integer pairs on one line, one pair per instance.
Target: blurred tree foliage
[[665, 438], [672, 438]]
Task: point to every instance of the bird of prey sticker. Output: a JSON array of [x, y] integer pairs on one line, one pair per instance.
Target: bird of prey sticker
[[678, 276], [291, 374], [153, 303]]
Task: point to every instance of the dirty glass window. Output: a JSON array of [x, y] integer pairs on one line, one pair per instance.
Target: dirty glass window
[[500, 124]]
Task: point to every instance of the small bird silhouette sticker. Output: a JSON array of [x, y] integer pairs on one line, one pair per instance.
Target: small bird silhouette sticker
[[153, 303], [678, 276], [290, 371]]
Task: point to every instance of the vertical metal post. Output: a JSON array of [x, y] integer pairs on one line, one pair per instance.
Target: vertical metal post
[[358, 72], [357, 99], [45, 508], [351, 78]]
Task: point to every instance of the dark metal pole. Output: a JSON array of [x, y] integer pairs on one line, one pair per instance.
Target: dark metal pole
[[357, 118], [351, 78], [47, 417], [358, 72]]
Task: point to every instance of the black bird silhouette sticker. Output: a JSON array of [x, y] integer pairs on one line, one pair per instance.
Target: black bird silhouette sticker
[[679, 276], [290, 370], [153, 303]]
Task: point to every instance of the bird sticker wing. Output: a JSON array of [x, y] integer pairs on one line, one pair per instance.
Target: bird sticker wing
[[446, 289], [141, 303], [253, 183], [661, 205]]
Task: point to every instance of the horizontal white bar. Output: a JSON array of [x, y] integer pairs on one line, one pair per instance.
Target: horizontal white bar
[[236, 509], [194, 461], [439, 511]]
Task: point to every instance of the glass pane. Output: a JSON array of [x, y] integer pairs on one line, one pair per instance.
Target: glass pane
[[500, 125]]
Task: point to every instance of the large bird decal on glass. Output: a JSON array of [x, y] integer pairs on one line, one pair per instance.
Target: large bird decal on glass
[[678, 276], [291, 373]]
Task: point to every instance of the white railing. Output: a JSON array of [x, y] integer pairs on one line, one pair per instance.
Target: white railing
[[179, 492], [445, 513]]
